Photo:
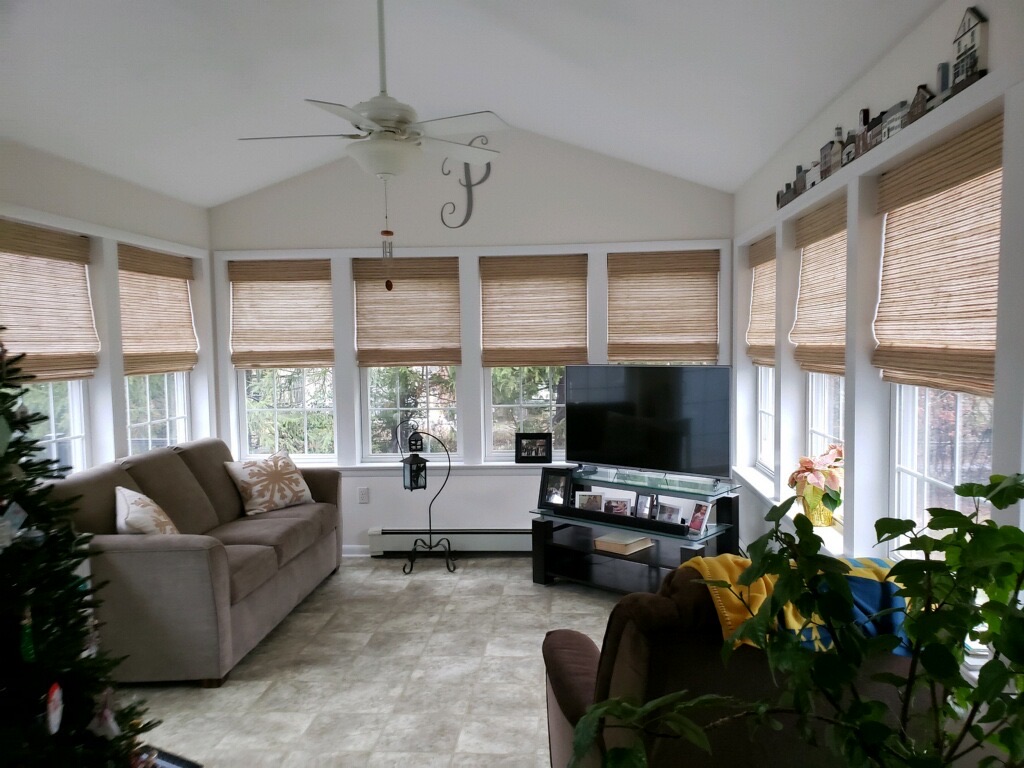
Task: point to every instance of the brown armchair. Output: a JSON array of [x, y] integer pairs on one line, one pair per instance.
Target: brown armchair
[[656, 644]]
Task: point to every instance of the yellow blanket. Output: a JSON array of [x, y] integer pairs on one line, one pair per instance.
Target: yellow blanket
[[731, 609]]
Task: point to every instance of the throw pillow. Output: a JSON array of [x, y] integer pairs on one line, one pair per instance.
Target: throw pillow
[[137, 513], [268, 484]]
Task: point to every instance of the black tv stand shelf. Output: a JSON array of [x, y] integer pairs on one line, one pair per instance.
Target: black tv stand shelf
[[563, 538]]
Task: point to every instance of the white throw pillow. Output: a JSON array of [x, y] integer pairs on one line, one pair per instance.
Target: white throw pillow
[[137, 513], [271, 483]]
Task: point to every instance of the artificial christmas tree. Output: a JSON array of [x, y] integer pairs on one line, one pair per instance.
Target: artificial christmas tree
[[56, 690]]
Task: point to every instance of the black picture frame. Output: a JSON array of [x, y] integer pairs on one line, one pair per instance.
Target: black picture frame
[[555, 483], [533, 447]]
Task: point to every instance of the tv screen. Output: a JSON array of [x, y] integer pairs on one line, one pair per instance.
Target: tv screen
[[661, 418]]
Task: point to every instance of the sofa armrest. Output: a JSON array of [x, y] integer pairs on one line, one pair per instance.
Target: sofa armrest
[[165, 604], [324, 483], [570, 660]]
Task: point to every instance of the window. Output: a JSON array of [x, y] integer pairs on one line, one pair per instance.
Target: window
[[424, 394], [943, 439], [526, 399], [157, 410], [62, 435], [290, 408], [766, 419], [825, 406]]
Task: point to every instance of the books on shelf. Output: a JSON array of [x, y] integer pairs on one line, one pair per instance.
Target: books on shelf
[[622, 543]]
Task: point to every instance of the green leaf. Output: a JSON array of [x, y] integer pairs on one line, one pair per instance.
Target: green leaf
[[889, 528], [1007, 491], [940, 662], [5, 435], [1010, 642], [779, 511], [992, 680], [626, 757]]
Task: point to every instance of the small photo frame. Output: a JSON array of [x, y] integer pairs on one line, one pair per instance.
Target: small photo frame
[[698, 525], [590, 500], [533, 447], [669, 513], [616, 507], [554, 487], [644, 503]]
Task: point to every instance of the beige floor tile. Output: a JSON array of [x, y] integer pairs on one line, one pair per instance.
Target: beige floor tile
[[433, 732], [498, 735]]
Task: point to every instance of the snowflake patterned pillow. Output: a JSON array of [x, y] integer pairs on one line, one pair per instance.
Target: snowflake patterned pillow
[[268, 484], [137, 513]]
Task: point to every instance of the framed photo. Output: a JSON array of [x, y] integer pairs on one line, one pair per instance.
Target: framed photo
[[644, 502], [554, 487], [590, 500], [668, 513], [698, 525], [616, 507], [533, 447]]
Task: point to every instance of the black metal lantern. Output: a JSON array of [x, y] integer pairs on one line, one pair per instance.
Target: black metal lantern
[[415, 441], [414, 470]]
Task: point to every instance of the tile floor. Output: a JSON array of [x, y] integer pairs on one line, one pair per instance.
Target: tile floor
[[376, 668]]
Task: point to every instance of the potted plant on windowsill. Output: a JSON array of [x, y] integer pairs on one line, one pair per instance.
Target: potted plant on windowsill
[[961, 580], [818, 483]]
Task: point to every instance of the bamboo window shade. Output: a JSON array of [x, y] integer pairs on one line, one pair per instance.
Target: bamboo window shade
[[819, 331], [282, 314], [157, 331], [533, 310], [761, 329], [418, 322], [761, 251], [45, 304], [663, 307], [936, 318]]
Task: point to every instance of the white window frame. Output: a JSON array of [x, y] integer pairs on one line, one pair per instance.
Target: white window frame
[[74, 443], [490, 453], [243, 416], [429, 446], [765, 418], [178, 425], [817, 399], [906, 499]]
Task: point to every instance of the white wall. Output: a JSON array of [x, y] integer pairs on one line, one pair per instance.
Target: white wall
[[40, 183], [893, 79], [539, 191]]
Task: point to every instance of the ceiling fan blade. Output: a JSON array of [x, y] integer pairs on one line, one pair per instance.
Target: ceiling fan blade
[[307, 136], [361, 122], [461, 152], [472, 122]]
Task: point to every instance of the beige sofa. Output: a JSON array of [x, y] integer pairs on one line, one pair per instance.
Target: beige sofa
[[190, 605]]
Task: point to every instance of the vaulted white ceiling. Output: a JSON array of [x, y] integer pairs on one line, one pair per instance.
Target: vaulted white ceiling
[[157, 92]]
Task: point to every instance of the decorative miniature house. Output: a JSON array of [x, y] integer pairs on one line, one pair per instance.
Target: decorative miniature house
[[800, 182], [970, 49], [875, 131], [849, 147], [812, 176], [894, 119], [861, 137], [832, 154], [923, 100]]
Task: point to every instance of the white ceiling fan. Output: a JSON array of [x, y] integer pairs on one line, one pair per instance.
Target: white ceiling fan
[[391, 138]]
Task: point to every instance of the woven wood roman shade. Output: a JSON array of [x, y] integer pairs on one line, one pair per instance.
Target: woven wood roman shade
[[45, 303], [819, 224], [820, 328], [971, 154], [157, 332], [282, 314], [761, 329], [936, 319], [761, 251], [663, 307], [534, 310], [418, 322]]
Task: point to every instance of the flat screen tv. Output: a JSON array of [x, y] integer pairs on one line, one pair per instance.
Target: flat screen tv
[[651, 417]]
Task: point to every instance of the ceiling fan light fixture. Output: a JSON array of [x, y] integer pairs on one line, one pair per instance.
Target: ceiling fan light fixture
[[383, 156]]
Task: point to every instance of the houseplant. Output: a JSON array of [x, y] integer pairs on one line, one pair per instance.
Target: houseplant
[[818, 483], [962, 578]]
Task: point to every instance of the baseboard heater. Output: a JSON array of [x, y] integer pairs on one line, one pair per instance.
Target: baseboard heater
[[398, 541]]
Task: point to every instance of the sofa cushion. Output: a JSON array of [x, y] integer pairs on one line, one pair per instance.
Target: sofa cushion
[[288, 536], [162, 475], [137, 513], [205, 458], [249, 566], [271, 483], [95, 511], [324, 516]]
